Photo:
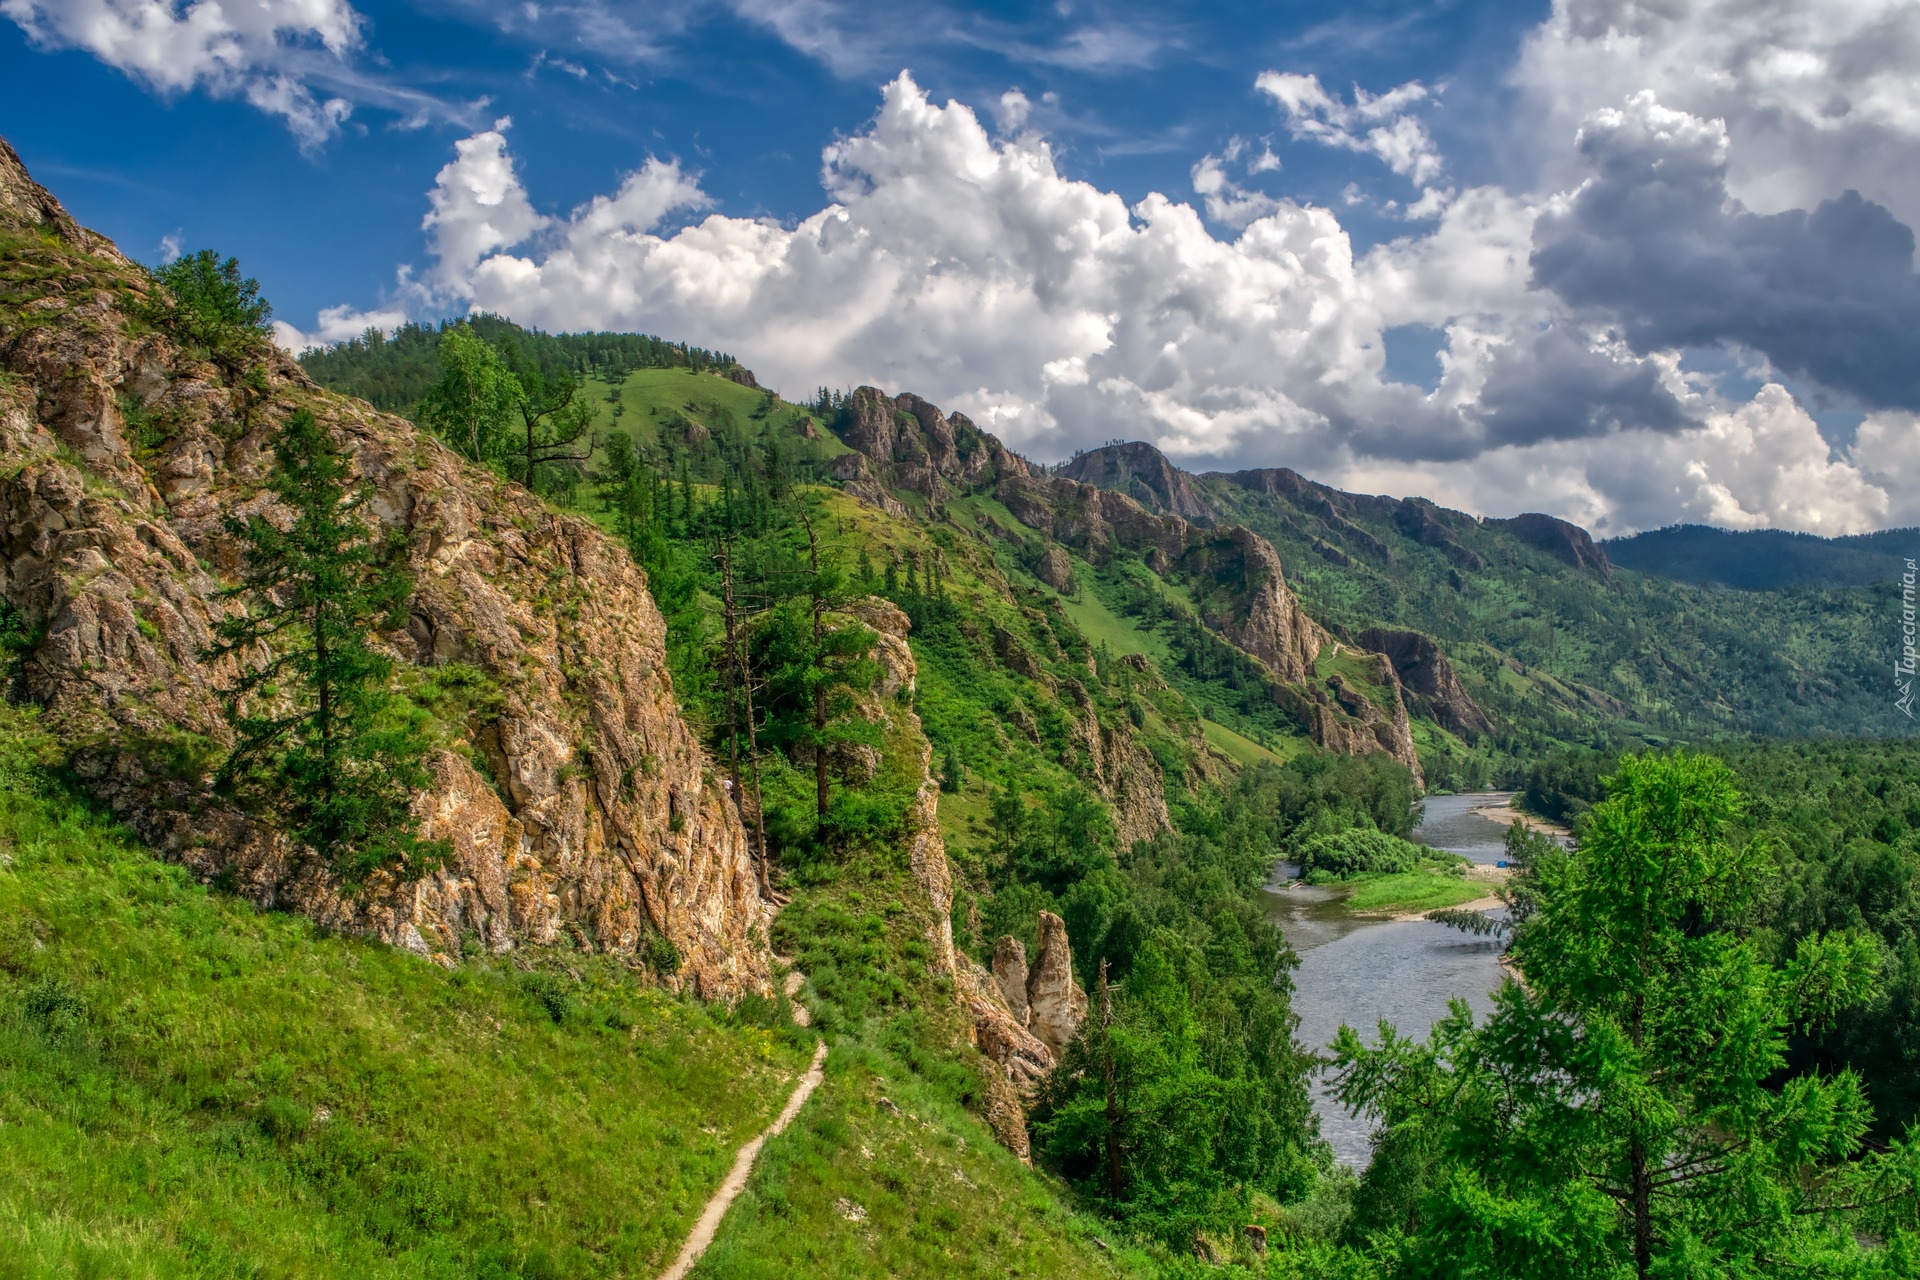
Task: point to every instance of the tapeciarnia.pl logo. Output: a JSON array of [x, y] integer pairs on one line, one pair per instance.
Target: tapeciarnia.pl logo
[[1903, 669]]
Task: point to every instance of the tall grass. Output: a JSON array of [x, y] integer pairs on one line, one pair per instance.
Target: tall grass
[[192, 1087]]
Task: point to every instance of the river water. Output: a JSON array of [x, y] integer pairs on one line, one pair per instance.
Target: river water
[[1359, 972]]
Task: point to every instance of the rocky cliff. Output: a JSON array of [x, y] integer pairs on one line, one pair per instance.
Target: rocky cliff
[[1253, 606], [1568, 542], [1428, 679], [1021, 1043], [576, 800], [1143, 473], [912, 445]]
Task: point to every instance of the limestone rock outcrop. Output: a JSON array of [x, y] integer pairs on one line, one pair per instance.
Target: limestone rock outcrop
[[1055, 568], [1143, 473], [1567, 541], [576, 799], [1430, 526], [1256, 609], [1057, 1004], [912, 445], [1010, 974], [1267, 620], [1000, 1033], [1428, 679], [1124, 772]]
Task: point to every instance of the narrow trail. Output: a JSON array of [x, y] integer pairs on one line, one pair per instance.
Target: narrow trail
[[736, 1180]]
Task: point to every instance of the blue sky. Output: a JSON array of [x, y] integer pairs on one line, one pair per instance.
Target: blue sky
[[1426, 248], [1143, 92]]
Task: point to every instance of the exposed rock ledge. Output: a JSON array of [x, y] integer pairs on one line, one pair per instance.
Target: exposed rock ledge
[[602, 819], [1023, 1046]]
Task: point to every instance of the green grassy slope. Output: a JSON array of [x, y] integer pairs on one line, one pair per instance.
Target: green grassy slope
[[191, 1087], [647, 401]]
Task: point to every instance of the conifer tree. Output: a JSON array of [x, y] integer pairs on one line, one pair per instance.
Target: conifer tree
[[1626, 1112], [216, 309], [625, 486], [321, 739]]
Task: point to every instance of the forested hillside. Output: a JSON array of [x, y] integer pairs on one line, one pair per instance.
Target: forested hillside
[[1553, 640], [1766, 559], [1094, 671], [610, 728]]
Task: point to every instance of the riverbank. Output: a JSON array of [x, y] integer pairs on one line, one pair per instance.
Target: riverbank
[[1409, 895], [1503, 813], [1389, 963]]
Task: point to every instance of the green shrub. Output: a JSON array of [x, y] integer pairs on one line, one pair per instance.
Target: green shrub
[[550, 992], [54, 1009], [1356, 851]]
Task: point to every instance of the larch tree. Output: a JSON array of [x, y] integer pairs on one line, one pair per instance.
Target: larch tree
[[1625, 1112], [321, 740]]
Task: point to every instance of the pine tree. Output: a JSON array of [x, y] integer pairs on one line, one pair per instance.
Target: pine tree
[[321, 741], [216, 309]]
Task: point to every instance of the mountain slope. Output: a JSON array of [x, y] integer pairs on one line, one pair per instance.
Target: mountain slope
[[578, 802], [1766, 559], [1548, 638], [192, 1087]]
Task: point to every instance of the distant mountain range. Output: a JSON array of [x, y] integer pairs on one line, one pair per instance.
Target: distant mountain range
[[1765, 559]]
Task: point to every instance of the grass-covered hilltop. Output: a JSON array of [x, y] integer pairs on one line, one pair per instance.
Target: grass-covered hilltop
[[454, 784]]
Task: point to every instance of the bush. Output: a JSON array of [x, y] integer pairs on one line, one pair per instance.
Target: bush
[[660, 955], [550, 993], [1356, 851], [54, 1009]]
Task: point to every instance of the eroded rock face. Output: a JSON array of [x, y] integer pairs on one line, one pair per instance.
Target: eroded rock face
[[598, 814], [1268, 622], [1428, 525], [1055, 568], [912, 445], [997, 1030], [1010, 973], [1143, 473], [1429, 680], [1569, 542], [1124, 772], [1057, 1003]]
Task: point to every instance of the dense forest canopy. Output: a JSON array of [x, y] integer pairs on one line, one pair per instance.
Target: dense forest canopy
[[394, 371]]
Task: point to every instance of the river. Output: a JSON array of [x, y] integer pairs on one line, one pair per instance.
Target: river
[[1359, 972]]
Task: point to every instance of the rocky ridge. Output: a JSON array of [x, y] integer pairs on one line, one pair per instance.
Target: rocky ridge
[[906, 443], [1262, 615], [577, 801], [1022, 1037], [1428, 680]]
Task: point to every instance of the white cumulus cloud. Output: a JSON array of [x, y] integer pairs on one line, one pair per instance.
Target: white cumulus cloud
[[1381, 125], [249, 48], [337, 324], [966, 266]]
